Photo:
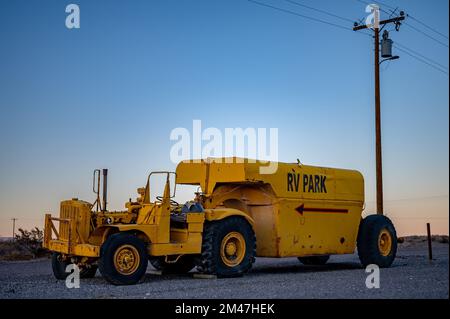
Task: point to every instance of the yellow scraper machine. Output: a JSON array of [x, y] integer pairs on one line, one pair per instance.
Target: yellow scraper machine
[[299, 211]]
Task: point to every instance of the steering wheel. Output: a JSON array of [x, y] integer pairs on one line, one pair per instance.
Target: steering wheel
[[172, 202]]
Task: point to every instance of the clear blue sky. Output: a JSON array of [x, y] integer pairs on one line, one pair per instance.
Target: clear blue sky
[[109, 93]]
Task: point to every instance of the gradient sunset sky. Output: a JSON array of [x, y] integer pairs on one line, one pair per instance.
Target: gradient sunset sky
[[109, 94]]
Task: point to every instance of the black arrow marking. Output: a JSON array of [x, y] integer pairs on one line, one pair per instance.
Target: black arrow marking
[[301, 209]]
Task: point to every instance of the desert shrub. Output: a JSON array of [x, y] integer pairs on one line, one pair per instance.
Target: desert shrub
[[440, 239], [30, 242]]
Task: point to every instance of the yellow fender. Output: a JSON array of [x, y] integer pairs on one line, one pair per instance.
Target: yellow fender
[[221, 213], [148, 232]]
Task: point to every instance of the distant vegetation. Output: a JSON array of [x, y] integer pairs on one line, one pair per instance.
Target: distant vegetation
[[443, 239], [26, 245]]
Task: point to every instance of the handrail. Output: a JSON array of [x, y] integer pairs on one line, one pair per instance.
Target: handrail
[[64, 220], [168, 174]]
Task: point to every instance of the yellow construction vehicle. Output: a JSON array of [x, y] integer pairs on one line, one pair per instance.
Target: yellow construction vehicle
[[302, 211]]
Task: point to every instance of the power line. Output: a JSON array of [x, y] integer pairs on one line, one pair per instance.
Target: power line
[[413, 198], [381, 9], [299, 15], [413, 27], [319, 10], [386, 5], [427, 26], [422, 60], [304, 16], [393, 12], [425, 34], [412, 53], [415, 19], [421, 55]]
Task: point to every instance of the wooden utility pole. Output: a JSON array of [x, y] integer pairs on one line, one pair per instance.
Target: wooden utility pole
[[430, 250], [14, 228], [379, 166], [377, 30]]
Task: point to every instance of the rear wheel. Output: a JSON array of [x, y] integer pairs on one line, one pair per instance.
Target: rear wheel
[[59, 266], [377, 241], [183, 265], [123, 259], [88, 271], [314, 260], [228, 248]]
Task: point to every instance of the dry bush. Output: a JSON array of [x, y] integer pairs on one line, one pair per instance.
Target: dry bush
[[443, 239], [26, 245]]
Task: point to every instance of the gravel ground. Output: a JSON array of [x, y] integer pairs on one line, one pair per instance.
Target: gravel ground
[[411, 276]]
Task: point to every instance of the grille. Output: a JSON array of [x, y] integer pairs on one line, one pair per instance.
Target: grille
[[68, 212]]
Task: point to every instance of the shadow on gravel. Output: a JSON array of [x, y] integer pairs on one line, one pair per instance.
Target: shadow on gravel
[[305, 269], [155, 278], [98, 280], [269, 269], [259, 270]]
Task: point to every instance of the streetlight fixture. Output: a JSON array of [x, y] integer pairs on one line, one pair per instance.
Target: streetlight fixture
[[395, 57]]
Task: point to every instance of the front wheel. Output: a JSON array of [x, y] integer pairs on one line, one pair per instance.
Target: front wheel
[[59, 266], [228, 248], [377, 241], [123, 259]]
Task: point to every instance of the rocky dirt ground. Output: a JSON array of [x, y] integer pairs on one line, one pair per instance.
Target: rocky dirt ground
[[411, 276]]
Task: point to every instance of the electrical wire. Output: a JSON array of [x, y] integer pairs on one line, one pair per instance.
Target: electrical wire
[[427, 26], [319, 10], [422, 60], [381, 9], [386, 5], [324, 12], [303, 16], [393, 12], [421, 55], [425, 34], [297, 14], [409, 25]]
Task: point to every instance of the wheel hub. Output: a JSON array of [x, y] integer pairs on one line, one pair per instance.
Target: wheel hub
[[126, 259], [232, 249], [385, 242]]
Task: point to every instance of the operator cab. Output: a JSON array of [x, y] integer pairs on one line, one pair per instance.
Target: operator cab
[[178, 211]]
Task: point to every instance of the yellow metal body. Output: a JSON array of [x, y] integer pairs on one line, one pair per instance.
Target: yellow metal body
[[298, 211]]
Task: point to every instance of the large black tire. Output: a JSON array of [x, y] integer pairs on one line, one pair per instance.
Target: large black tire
[[113, 268], [183, 265], [314, 260], [59, 266], [377, 241], [215, 260]]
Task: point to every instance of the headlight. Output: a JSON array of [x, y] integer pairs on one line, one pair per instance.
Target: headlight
[[109, 220]]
